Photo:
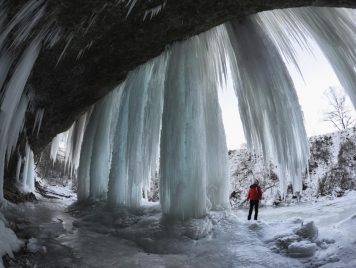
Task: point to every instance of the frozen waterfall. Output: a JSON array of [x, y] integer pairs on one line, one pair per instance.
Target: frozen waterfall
[[268, 103], [16, 63], [172, 102], [166, 116]]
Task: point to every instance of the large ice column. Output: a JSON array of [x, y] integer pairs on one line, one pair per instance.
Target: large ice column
[[218, 42], [269, 108], [101, 151], [86, 155], [153, 121], [118, 188], [135, 144], [183, 173], [194, 165]]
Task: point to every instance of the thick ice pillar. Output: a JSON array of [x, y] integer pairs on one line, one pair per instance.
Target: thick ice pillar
[[86, 155], [135, 143], [218, 181], [183, 142]]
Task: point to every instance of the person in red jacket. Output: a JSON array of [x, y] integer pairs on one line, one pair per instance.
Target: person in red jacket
[[254, 195]]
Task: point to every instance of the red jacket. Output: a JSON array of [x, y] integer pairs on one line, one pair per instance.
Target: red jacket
[[254, 193]]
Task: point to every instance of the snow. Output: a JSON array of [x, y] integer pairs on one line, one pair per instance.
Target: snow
[[301, 249], [331, 171], [311, 234], [9, 241]]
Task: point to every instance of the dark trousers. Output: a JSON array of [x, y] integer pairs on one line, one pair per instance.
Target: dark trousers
[[253, 203]]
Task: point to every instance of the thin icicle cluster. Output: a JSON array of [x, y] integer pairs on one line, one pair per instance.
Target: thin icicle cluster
[[152, 12], [269, 108], [14, 101], [69, 144], [38, 121], [120, 144], [16, 64], [137, 134], [334, 31]]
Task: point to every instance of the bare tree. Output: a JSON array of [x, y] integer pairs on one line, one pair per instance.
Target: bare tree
[[340, 115]]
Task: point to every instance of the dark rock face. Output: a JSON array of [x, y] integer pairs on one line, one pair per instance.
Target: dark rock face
[[101, 44]]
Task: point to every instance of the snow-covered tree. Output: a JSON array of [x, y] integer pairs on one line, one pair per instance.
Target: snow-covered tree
[[340, 113]]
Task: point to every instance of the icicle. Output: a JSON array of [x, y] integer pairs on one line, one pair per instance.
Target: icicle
[[269, 108], [68, 41], [153, 120], [38, 121], [12, 108], [95, 151], [68, 147], [152, 12], [101, 152], [5, 64], [17, 125], [218, 186], [332, 29], [86, 155], [30, 181], [194, 177], [77, 144], [18, 169], [54, 147], [118, 189], [26, 17], [132, 4], [27, 182]]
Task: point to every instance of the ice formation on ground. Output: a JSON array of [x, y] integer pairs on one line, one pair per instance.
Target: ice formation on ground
[[124, 237]]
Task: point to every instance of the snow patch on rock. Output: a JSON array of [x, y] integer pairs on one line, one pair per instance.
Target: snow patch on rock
[[9, 242]]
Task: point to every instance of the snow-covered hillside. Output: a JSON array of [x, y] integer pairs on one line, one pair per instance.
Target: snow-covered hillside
[[332, 169]]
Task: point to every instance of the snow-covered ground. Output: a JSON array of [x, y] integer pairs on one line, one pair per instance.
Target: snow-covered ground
[[95, 235]]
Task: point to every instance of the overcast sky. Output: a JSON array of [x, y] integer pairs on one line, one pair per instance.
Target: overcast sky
[[318, 77]]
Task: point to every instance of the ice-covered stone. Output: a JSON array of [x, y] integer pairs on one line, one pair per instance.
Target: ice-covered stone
[[301, 249], [308, 231]]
